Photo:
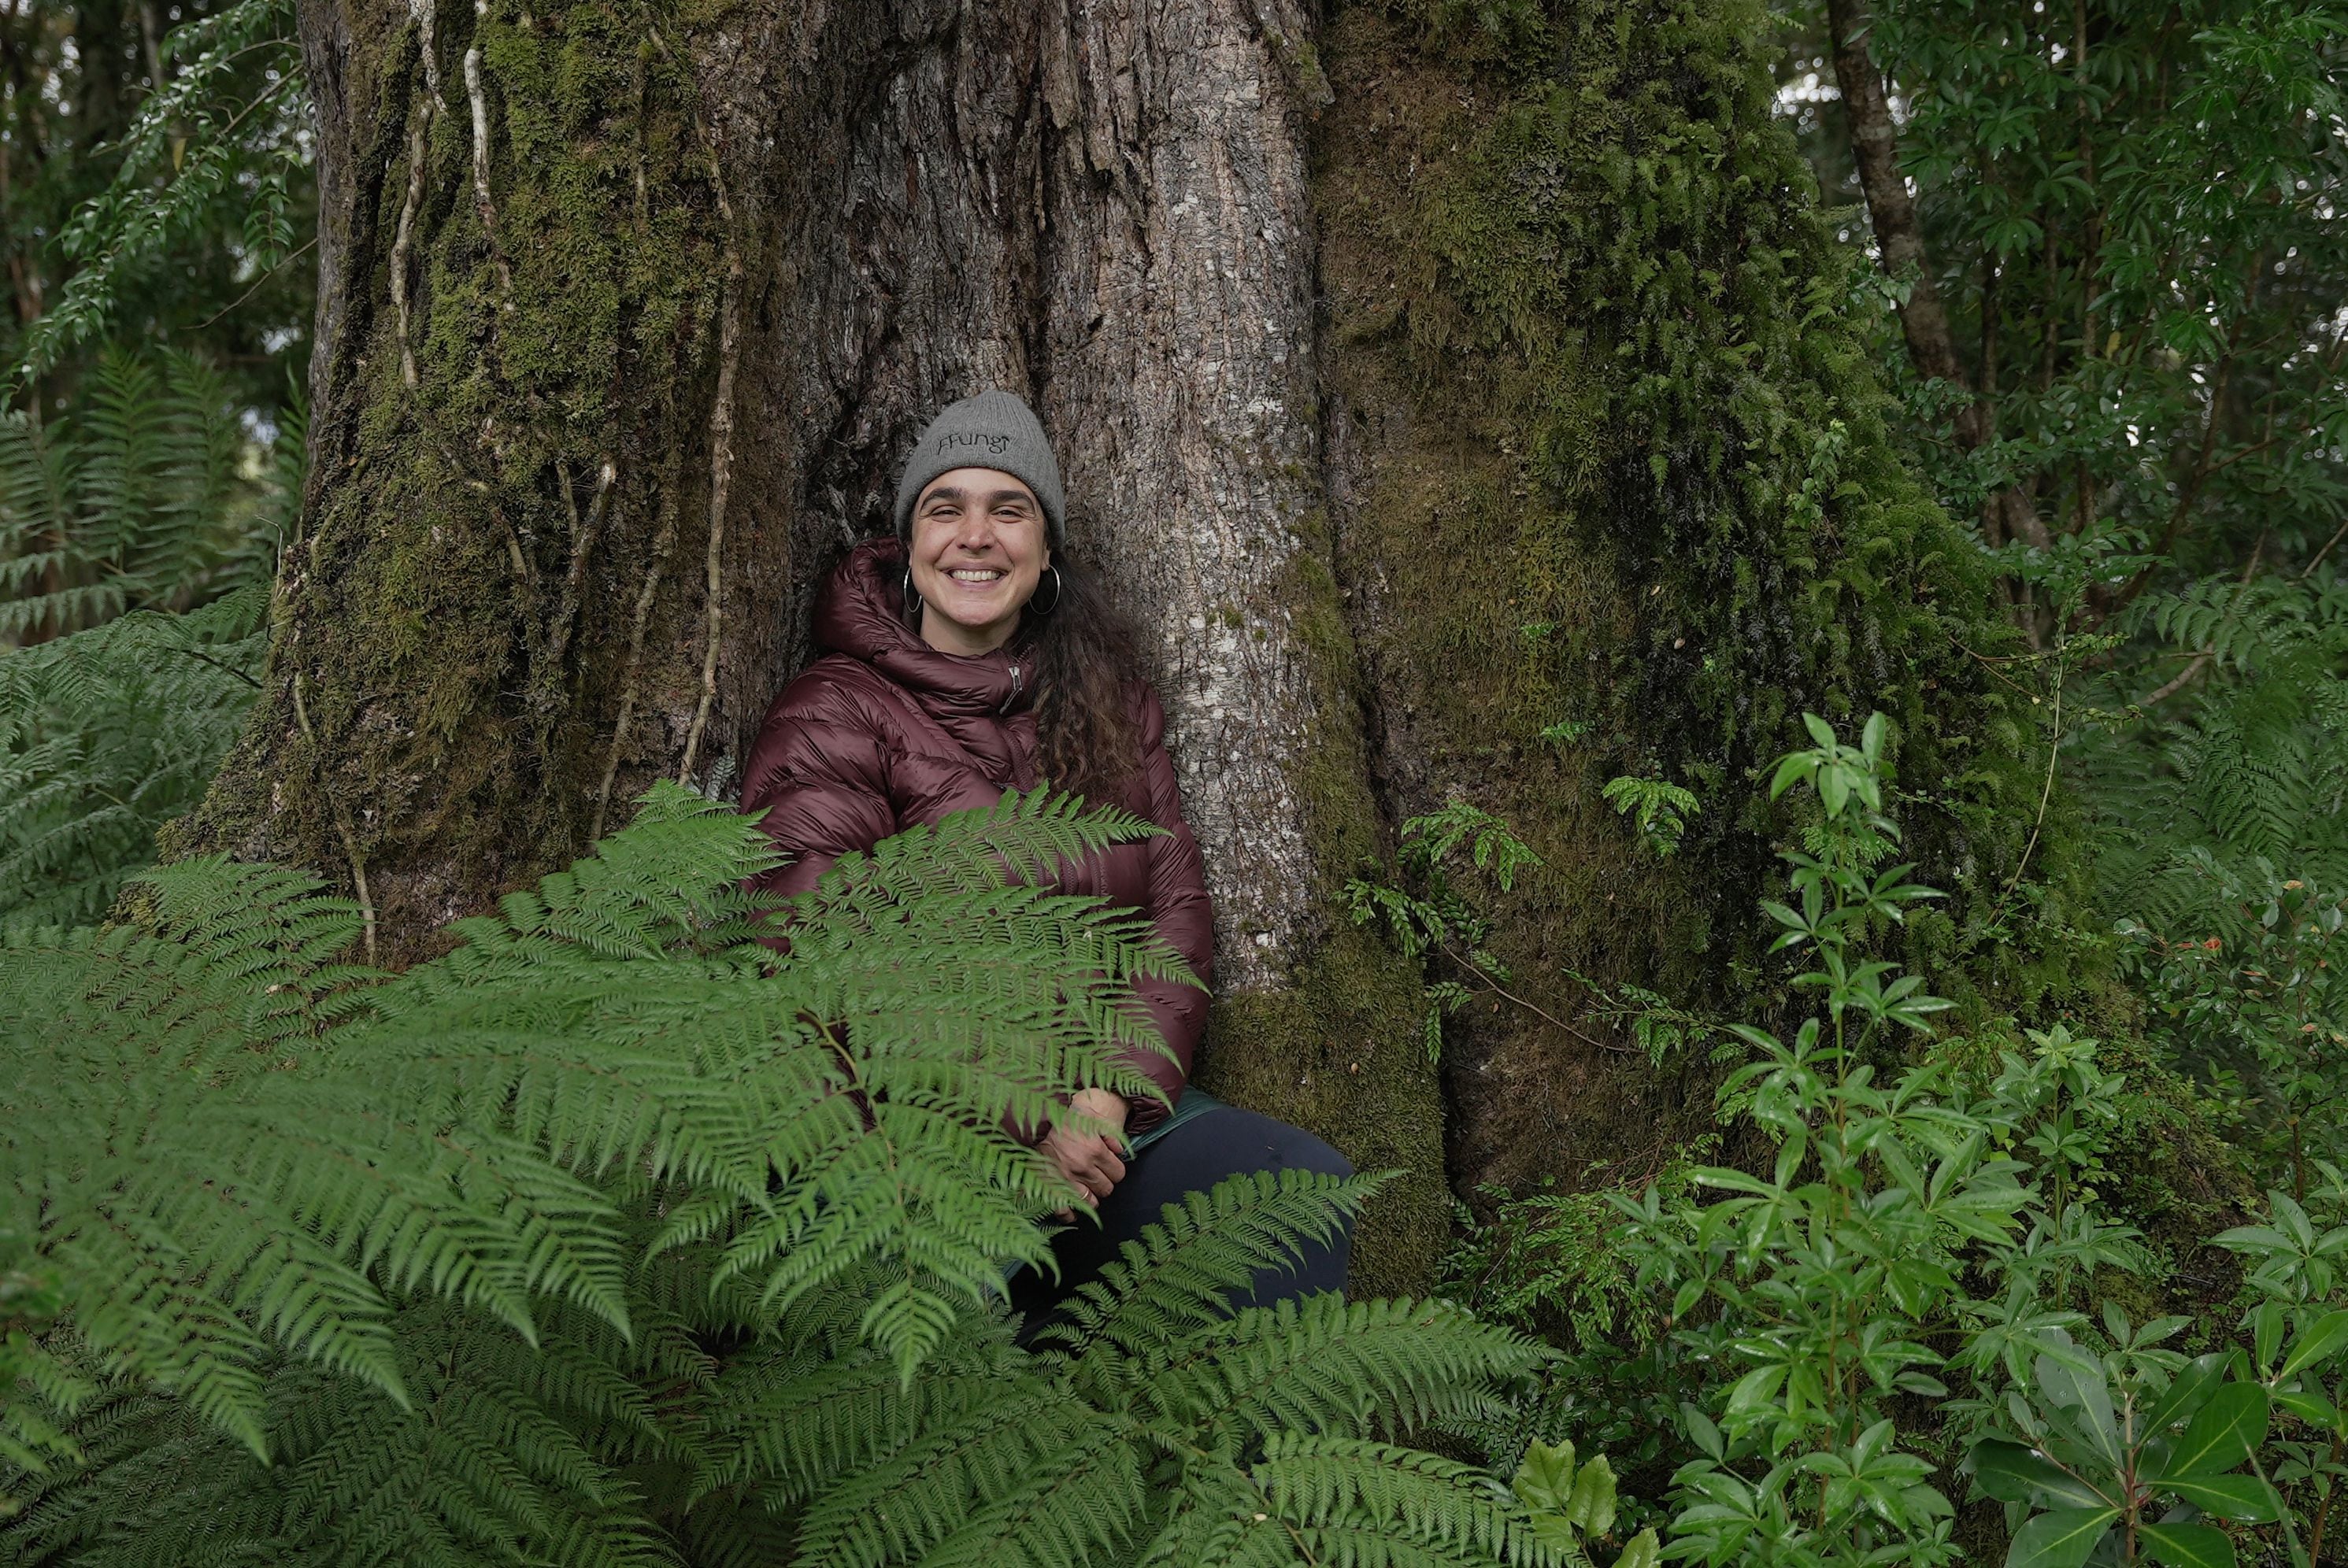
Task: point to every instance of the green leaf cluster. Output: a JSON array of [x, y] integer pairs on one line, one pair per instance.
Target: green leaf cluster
[[1428, 916], [1911, 1291]]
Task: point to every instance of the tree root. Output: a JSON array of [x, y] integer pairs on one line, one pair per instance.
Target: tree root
[[663, 542], [403, 242], [342, 824], [721, 426], [482, 202]]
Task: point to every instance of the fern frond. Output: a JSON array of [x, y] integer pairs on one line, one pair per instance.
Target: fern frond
[[1176, 1279], [1323, 1364], [613, 1235], [1346, 1492]]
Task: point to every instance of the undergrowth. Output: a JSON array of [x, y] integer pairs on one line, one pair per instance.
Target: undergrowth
[[613, 1236]]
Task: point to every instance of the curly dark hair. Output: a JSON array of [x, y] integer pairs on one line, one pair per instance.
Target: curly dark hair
[[1086, 665]]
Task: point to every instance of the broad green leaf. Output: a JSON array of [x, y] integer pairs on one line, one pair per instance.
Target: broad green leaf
[[2061, 1539], [2243, 1497], [1592, 1508], [2073, 1379], [2322, 1340], [2313, 1408], [1544, 1481], [2222, 1433], [2186, 1545], [2194, 1383], [1641, 1551], [2011, 1473]]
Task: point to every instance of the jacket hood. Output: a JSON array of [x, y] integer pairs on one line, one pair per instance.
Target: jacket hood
[[860, 614]]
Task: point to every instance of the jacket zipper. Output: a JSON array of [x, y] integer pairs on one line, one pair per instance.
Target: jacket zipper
[[1014, 691]]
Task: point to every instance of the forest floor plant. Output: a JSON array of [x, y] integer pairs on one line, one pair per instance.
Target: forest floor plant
[[1924, 1294], [614, 1236]]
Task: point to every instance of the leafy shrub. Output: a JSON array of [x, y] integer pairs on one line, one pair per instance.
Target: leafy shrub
[[1908, 1302]]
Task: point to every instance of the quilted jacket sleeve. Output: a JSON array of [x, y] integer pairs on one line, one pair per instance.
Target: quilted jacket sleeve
[[817, 780], [1178, 904]]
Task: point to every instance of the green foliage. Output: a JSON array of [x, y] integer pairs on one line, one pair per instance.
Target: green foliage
[[141, 499], [135, 542], [2097, 1468], [2259, 1011], [222, 134], [2247, 785], [1571, 1502], [612, 1236], [1659, 808], [2122, 210], [1917, 1275], [1444, 921]]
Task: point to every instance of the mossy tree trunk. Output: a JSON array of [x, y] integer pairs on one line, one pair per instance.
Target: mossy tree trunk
[[628, 311]]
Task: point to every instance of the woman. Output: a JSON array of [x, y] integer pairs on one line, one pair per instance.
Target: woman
[[970, 654]]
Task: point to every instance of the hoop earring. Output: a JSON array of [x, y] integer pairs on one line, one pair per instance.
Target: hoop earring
[[912, 600], [1059, 586]]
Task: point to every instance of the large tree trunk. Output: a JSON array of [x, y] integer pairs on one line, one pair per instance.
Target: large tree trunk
[[626, 316]]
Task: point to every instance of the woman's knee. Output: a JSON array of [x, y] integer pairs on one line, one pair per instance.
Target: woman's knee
[[1287, 1148]]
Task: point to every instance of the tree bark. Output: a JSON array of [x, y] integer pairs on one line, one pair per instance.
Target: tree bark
[[624, 324], [627, 315]]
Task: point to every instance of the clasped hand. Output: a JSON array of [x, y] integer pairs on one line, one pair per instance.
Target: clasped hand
[[1093, 1161]]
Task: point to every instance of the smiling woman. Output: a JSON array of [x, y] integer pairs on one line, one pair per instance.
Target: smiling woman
[[972, 654]]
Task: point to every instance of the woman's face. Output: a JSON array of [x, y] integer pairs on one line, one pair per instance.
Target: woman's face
[[977, 554]]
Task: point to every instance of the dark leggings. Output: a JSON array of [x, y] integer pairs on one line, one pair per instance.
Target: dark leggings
[[1192, 1158]]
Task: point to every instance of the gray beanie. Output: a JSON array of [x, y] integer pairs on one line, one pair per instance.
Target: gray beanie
[[993, 430]]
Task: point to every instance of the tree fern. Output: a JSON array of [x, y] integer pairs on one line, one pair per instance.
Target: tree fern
[[133, 550], [1150, 1425], [2249, 783], [615, 1237]]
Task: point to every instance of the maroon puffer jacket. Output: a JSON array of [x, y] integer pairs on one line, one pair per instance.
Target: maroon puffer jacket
[[882, 731]]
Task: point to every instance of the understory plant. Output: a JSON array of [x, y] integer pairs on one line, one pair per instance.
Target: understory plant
[[616, 1237], [136, 538], [1906, 1307], [1440, 919]]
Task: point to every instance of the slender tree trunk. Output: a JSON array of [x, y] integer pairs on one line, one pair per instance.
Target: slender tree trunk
[[626, 315], [1899, 237]]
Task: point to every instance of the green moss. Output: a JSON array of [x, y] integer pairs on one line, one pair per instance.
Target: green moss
[[1633, 473], [1337, 1052], [434, 599]]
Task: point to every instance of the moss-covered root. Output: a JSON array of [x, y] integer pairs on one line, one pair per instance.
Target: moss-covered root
[[1339, 1053]]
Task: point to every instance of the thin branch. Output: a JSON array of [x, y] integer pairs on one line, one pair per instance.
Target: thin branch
[[2318, 559], [2201, 659], [2045, 794], [282, 262], [664, 540], [1498, 989], [229, 669]]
